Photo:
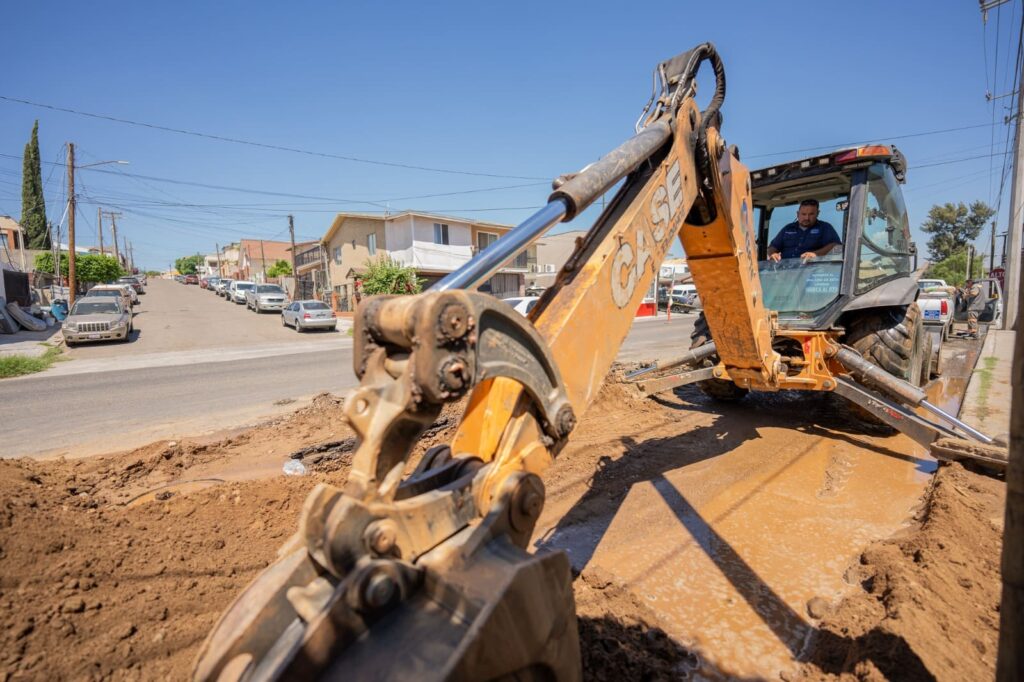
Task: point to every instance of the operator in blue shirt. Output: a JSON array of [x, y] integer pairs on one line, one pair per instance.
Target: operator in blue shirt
[[807, 238]]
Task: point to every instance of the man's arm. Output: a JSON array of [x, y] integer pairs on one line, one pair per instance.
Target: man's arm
[[832, 241], [775, 247]]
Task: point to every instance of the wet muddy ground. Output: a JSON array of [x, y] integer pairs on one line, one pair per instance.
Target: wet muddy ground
[[773, 538]]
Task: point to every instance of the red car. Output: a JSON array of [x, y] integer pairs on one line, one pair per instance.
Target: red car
[[191, 279]]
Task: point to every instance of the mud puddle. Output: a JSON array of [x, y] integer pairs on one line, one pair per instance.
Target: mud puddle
[[736, 524]]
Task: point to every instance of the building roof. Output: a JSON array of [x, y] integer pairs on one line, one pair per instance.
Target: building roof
[[342, 217], [258, 248], [9, 223]]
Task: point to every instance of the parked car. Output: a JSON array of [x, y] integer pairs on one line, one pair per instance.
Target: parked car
[[266, 297], [191, 279], [534, 290], [96, 318], [133, 282], [236, 290], [305, 315], [125, 294], [208, 282], [937, 301], [222, 286], [522, 304]]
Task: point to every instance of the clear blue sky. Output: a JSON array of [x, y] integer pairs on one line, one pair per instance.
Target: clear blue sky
[[515, 90]]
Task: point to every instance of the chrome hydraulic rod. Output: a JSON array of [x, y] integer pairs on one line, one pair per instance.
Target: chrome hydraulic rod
[[693, 357], [903, 390], [490, 260], [572, 196], [957, 423]]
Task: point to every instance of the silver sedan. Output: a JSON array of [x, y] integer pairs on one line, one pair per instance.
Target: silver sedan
[[305, 315], [266, 297]]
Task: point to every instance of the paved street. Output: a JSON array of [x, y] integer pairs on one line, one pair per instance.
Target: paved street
[[198, 364]]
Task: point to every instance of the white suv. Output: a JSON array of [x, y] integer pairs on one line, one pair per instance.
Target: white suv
[[236, 291]]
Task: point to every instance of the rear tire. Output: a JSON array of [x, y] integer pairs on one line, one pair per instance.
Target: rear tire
[[724, 391]]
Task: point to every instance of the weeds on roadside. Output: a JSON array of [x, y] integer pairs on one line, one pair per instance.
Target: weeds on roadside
[[19, 365]]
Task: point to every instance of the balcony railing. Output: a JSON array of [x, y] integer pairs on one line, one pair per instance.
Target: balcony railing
[[433, 257], [308, 257], [526, 261]]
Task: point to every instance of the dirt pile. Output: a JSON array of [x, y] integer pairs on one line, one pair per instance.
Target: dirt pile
[[116, 567], [928, 607]]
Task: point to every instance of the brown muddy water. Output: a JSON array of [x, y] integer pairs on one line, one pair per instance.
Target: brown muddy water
[[736, 524]]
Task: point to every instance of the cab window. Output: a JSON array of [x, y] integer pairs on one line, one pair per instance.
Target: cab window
[[832, 211], [885, 241]]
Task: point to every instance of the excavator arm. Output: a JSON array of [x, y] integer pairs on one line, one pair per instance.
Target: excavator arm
[[426, 575]]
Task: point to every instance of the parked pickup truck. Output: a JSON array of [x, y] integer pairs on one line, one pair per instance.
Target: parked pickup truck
[[937, 301]]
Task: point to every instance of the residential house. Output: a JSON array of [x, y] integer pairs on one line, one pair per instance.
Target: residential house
[[256, 256], [552, 253], [228, 261], [435, 245], [12, 244], [310, 271], [210, 267]]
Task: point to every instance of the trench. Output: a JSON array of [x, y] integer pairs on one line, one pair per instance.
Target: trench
[[726, 524]]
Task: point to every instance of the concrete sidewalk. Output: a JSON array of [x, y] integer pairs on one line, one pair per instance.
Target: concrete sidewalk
[[986, 404]]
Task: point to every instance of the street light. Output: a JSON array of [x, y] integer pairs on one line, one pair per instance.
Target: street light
[[101, 163], [71, 220]]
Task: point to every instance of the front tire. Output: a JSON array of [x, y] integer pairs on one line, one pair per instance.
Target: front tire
[[718, 389], [895, 340]]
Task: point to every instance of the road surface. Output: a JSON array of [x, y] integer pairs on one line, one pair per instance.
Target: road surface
[[198, 365]]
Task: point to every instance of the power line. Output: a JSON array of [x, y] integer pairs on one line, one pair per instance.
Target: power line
[[263, 145], [882, 137]]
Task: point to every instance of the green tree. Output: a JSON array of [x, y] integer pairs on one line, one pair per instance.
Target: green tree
[[89, 267], [187, 265], [954, 268], [33, 206], [386, 276], [953, 226], [279, 269]]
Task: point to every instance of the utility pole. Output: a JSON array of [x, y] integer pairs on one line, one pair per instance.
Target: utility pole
[[71, 226], [992, 251], [1011, 292], [113, 215], [263, 259], [124, 242], [99, 226], [113, 228], [295, 275], [131, 252], [220, 272]]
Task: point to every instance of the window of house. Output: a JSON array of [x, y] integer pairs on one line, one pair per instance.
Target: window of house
[[3, 239], [371, 243], [521, 260], [337, 255], [440, 233], [485, 239]]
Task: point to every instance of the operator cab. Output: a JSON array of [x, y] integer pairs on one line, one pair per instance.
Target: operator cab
[[858, 191]]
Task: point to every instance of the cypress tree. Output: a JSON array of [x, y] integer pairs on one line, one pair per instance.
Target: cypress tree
[[33, 206]]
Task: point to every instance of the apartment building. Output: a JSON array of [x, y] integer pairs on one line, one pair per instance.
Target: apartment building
[[433, 244]]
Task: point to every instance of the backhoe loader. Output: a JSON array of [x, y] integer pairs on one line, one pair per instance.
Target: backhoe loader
[[426, 575]]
